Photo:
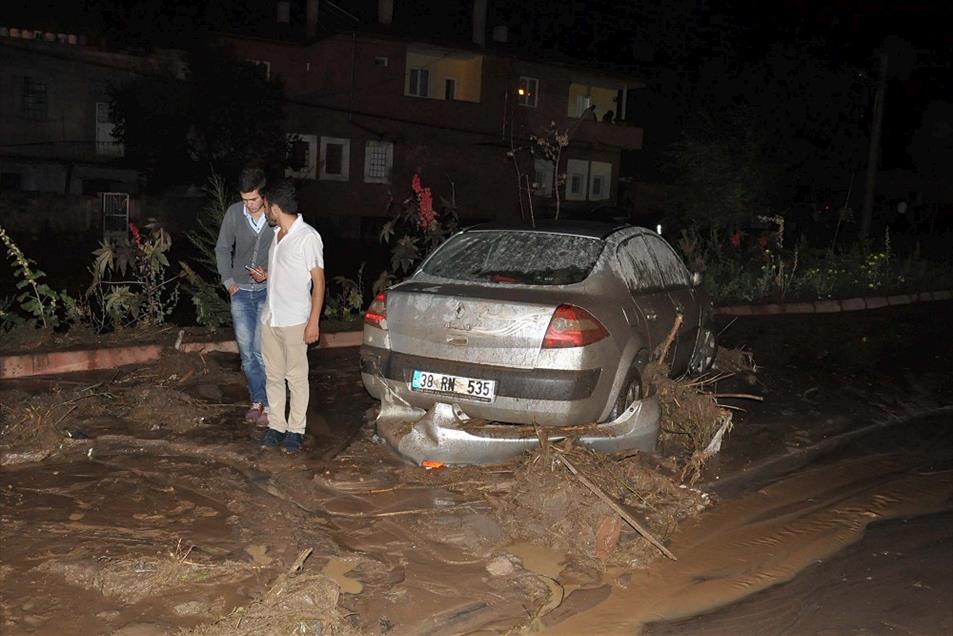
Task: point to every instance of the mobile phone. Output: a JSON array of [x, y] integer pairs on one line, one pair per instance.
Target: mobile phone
[[250, 269]]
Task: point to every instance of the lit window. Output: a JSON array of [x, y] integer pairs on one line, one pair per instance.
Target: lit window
[[528, 91], [378, 161], [418, 82], [335, 159]]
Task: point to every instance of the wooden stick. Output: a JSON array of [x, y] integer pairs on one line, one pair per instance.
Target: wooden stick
[[622, 513], [299, 562], [663, 351], [743, 396]]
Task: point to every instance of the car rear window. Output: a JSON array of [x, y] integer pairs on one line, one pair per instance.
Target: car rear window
[[526, 258]]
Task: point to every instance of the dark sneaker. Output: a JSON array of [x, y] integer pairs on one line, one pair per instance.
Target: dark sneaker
[[254, 412], [262, 419], [292, 443], [272, 439]]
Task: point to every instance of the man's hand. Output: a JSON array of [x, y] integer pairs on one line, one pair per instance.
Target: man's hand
[[258, 274], [233, 290], [311, 332]]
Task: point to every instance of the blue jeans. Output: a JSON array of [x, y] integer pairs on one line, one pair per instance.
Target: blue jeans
[[246, 319]]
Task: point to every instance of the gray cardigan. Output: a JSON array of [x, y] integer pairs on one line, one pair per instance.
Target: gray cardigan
[[235, 248]]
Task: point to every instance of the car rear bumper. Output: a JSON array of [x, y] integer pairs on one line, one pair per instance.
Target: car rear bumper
[[549, 397], [445, 434]]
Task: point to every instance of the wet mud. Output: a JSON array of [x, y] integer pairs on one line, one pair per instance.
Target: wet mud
[[837, 488], [896, 580], [768, 537]]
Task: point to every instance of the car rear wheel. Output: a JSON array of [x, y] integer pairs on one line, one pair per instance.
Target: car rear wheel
[[629, 394], [704, 356]]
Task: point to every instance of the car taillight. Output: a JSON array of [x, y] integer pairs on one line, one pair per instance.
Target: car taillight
[[572, 326], [376, 315]]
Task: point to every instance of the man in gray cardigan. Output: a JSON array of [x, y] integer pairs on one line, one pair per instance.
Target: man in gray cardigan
[[242, 257]]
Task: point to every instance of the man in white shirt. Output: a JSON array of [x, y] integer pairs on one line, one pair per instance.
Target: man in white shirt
[[291, 314]]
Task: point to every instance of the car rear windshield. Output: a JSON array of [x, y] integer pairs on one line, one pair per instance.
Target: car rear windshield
[[527, 258]]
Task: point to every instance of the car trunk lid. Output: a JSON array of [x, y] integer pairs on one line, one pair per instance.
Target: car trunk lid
[[453, 322]]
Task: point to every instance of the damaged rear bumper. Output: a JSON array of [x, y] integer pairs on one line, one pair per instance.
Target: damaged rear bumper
[[446, 434]]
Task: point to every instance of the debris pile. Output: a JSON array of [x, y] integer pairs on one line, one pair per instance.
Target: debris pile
[[297, 603], [549, 504], [34, 426]]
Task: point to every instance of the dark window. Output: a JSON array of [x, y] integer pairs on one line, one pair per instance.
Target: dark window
[[419, 82], [575, 184], [96, 186], [11, 181], [333, 159], [35, 102], [597, 187], [298, 158], [450, 89]]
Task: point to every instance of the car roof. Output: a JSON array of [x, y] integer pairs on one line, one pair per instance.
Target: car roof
[[592, 229]]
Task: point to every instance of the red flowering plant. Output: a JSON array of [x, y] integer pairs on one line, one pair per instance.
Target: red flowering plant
[[130, 285], [416, 229]]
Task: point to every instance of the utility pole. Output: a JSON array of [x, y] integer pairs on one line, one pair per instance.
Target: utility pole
[[874, 151]]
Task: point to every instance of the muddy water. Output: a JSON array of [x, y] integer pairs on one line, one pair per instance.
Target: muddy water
[[897, 580], [769, 536]]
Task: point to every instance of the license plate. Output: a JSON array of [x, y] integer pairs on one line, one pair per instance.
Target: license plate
[[441, 383]]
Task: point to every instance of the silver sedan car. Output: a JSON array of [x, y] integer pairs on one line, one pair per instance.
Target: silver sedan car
[[507, 332]]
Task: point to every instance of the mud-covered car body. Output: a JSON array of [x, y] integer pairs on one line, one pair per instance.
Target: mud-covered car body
[[549, 326]]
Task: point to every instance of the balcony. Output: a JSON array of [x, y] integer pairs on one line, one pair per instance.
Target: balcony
[[616, 135]]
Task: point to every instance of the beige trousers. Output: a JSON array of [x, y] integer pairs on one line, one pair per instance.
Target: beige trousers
[[286, 360]]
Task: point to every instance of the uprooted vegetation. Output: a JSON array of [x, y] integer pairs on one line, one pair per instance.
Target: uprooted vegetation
[[36, 425], [548, 505], [297, 602]]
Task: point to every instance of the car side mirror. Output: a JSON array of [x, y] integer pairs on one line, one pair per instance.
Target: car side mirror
[[696, 279]]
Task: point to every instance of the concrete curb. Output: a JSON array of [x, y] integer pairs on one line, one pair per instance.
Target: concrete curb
[[832, 306], [56, 362]]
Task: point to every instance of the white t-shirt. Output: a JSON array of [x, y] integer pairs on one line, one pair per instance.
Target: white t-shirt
[[290, 262]]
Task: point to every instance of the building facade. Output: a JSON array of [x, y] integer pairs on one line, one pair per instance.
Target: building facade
[[369, 111], [56, 129]]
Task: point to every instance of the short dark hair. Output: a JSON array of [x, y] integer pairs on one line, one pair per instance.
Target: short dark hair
[[252, 179], [282, 194]]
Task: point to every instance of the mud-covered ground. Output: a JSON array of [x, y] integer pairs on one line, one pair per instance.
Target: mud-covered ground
[[135, 501]]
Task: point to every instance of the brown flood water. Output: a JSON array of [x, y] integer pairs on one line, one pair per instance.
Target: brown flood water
[[767, 537]]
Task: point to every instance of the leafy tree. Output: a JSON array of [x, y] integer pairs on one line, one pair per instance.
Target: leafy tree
[[225, 114], [208, 296], [769, 136], [722, 178]]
